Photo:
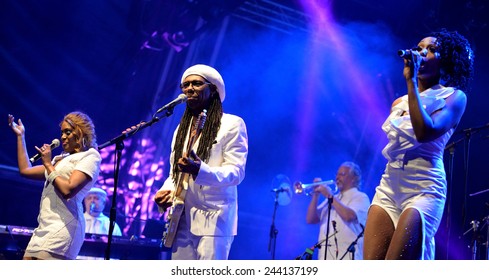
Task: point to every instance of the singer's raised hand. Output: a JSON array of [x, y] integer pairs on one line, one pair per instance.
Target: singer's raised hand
[[25, 167], [17, 128], [412, 63]]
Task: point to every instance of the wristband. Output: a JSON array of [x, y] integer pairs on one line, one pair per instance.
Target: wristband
[[53, 176]]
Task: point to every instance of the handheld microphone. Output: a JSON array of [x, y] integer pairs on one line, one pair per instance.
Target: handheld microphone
[[92, 207], [180, 99], [54, 144], [407, 53]]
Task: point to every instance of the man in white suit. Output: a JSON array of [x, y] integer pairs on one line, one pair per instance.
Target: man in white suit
[[215, 165]]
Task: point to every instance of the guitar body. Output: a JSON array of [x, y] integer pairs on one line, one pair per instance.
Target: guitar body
[[176, 211], [178, 198]]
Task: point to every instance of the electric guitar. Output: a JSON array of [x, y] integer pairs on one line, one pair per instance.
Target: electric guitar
[[178, 196]]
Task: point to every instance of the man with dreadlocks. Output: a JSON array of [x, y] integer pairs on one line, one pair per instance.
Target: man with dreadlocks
[[209, 223]]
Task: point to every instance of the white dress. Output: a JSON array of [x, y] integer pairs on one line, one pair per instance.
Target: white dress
[[414, 176], [61, 229]]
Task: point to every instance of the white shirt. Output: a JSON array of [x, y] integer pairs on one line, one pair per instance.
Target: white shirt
[[100, 225], [346, 232]]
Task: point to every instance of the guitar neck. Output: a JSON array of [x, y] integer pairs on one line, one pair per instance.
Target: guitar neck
[[178, 196], [194, 134]]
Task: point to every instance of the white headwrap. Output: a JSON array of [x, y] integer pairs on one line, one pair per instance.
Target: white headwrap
[[208, 73], [98, 191]]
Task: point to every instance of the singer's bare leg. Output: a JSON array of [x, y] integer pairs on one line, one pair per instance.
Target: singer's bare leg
[[383, 241], [406, 243], [378, 234]]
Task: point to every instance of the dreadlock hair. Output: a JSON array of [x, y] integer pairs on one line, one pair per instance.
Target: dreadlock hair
[[207, 136], [457, 59]]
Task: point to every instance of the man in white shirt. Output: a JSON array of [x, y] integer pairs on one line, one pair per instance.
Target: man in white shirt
[[347, 217], [95, 220], [215, 166]]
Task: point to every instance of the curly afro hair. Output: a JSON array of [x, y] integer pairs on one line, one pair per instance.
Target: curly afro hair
[[457, 59]]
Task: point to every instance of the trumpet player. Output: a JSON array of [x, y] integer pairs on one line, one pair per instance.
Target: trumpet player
[[347, 214]]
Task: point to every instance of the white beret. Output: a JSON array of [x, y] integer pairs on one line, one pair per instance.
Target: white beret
[[98, 191], [208, 73]]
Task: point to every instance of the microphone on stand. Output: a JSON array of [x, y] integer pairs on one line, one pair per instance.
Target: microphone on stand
[[279, 190], [282, 194], [307, 255], [92, 207], [309, 252], [180, 99]]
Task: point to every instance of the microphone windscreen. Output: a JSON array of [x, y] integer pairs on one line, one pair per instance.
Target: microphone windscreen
[[55, 143]]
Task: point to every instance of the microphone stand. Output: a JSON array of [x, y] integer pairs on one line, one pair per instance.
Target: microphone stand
[[451, 148], [330, 201], [119, 146], [486, 223], [351, 248], [310, 251], [273, 230]]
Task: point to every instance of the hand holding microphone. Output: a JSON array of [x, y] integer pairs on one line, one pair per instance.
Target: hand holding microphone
[[412, 61], [54, 144], [407, 53]]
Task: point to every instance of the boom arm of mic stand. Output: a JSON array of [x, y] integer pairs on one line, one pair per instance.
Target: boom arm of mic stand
[[317, 245], [468, 132], [351, 248], [124, 136], [119, 142]]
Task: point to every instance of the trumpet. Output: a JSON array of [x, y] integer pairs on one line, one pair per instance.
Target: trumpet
[[307, 189]]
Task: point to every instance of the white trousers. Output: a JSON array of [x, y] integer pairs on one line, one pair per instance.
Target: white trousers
[[188, 246]]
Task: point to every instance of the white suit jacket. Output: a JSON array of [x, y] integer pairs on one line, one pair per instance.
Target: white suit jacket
[[211, 202]]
